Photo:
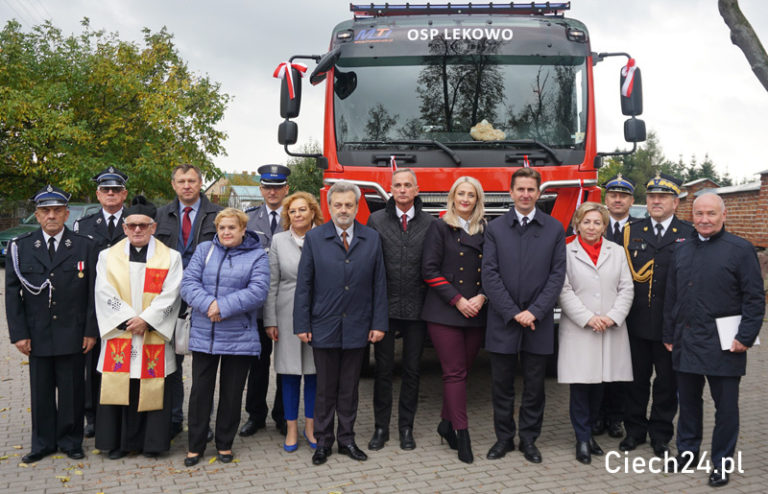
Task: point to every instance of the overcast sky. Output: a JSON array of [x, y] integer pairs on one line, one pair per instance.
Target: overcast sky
[[700, 95]]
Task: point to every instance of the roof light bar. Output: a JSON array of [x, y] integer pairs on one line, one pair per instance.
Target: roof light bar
[[519, 8]]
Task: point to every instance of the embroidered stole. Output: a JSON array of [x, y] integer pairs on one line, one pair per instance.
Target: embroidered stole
[[115, 378]]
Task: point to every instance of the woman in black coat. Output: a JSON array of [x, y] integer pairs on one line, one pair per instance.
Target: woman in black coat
[[454, 305]]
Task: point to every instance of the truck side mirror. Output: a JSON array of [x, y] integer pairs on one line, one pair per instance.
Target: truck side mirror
[[631, 87], [288, 133], [326, 63], [289, 107], [634, 130], [322, 162]]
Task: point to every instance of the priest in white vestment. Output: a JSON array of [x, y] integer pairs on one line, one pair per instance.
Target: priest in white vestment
[[137, 300]]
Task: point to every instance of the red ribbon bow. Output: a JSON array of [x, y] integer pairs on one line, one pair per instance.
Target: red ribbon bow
[[628, 72], [282, 72]]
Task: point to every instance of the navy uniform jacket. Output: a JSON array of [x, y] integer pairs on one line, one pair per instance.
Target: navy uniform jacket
[[260, 221], [522, 271], [451, 266], [717, 278], [646, 317], [95, 227], [340, 295], [58, 328], [609, 231]]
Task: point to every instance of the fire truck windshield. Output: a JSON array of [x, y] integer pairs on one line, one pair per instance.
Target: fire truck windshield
[[468, 103]]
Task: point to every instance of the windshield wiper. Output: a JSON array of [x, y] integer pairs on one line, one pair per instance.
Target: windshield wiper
[[520, 143], [428, 142]]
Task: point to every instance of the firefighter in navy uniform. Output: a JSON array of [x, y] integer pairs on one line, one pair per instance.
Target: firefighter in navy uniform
[[105, 228], [649, 244], [49, 306], [619, 197]]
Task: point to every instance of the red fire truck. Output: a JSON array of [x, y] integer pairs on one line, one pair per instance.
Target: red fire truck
[[452, 90]]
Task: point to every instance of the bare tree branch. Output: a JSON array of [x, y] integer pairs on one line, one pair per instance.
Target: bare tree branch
[[743, 36]]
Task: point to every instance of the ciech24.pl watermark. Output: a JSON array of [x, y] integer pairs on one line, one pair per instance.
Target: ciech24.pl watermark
[[616, 462]]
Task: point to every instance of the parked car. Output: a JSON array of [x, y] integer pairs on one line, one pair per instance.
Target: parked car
[[638, 211], [28, 224]]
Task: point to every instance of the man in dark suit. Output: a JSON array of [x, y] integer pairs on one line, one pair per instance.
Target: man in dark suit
[[265, 220], [619, 197], [340, 306], [182, 225], [713, 276], [105, 228], [650, 244], [51, 318], [402, 227], [523, 272]]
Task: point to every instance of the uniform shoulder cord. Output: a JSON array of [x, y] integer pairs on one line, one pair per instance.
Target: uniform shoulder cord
[[645, 273]]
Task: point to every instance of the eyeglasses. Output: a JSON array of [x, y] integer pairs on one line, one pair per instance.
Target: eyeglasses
[[140, 226], [114, 190]]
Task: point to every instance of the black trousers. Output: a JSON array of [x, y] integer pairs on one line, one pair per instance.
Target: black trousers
[[584, 407], [413, 334], [612, 405], [648, 356], [125, 428], [92, 382], [57, 387], [176, 385], [234, 369], [258, 384], [725, 393], [531, 412], [338, 377]]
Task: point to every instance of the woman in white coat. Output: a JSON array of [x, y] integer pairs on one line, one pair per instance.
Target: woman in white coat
[[293, 359], [593, 339]]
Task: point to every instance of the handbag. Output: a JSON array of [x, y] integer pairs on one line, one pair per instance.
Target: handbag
[[184, 323]]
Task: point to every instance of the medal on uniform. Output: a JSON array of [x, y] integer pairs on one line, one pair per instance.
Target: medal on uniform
[[98, 221], [68, 243], [80, 268], [37, 244]]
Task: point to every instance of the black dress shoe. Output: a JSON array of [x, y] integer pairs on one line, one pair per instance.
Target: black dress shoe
[[116, 454], [583, 452], [598, 428], [321, 455], [615, 429], [530, 452], [595, 448], [225, 458], [500, 449], [718, 478], [282, 426], [191, 461], [353, 452], [406, 439], [89, 431], [176, 428], [37, 456], [209, 436], [445, 430], [629, 443], [250, 427], [75, 454], [660, 448], [379, 439]]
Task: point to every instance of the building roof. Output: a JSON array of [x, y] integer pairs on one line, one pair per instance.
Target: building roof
[[733, 189], [247, 192], [699, 180]]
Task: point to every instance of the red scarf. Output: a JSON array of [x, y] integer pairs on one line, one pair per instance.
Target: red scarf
[[593, 251]]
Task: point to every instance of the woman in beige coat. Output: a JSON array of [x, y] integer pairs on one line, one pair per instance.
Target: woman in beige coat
[[293, 359], [593, 339]]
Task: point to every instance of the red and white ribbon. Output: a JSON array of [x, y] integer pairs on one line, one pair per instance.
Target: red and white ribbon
[[393, 163], [282, 72], [628, 72], [80, 266], [526, 163], [581, 194]]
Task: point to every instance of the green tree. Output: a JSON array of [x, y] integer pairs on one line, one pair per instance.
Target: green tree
[[70, 106], [305, 175]]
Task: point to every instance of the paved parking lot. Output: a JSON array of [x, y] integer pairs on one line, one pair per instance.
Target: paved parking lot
[[263, 466]]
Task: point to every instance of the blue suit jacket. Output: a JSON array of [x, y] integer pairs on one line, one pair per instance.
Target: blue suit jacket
[[522, 270], [340, 295]]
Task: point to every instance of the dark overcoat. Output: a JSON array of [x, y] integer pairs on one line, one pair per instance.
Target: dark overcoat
[[451, 266], [56, 327], [523, 269], [707, 280], [402, 258], [646, 317], [203, 229], [340, 295], [95, 227]]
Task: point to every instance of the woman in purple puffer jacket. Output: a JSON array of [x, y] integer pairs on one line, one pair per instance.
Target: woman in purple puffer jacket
[[225, 283]]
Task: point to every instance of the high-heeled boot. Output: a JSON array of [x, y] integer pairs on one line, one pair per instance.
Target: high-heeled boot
[[445, 429], [465, 446]]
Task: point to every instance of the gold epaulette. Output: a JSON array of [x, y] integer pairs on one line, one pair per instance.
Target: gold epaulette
[[645, 273]]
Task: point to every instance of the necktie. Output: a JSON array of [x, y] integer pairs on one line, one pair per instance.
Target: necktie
[[51, 247], [404, 218], [616, 231], [273, 225], [344, 240], [525, 222], [111, 226], [659, 228], [186, 225]]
